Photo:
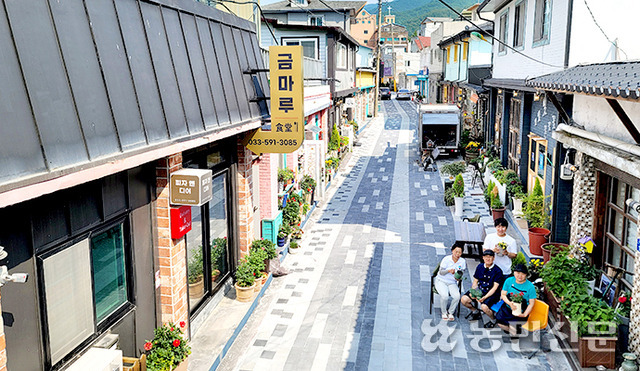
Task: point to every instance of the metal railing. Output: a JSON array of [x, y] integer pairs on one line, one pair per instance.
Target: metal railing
[[313, 69]]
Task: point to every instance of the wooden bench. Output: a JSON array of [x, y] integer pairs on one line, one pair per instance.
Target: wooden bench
[[471, 235]]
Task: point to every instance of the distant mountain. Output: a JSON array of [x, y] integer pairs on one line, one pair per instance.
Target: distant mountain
[[410, 13]]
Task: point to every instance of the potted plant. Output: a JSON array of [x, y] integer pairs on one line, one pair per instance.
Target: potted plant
[[297, 232], [535, 267], [592, 329], [308, 187], [458, 194], [497, 208], [284, 177], [283, 233], [195, 276], [535, 212], [245, 280], [488, 191], [518, 299], [269, 249], [623, 312], [453, 169], [218, 261], [471, 151], [256, 260], [293, 247], [559, 279], [550, 249], [168, 350]]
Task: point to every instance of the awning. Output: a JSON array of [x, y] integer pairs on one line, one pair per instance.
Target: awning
[[510, 84], [440, 118]]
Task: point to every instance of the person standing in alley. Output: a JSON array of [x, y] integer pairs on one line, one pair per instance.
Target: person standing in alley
[[503, 245], [451, 270]]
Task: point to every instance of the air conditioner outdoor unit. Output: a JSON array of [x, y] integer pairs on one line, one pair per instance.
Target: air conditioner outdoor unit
[[98, 359]]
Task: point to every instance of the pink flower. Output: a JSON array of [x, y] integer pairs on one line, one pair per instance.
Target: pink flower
[[176, 343], [147, 346]]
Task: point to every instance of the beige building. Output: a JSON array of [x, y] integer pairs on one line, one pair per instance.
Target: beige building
[[364, 27]]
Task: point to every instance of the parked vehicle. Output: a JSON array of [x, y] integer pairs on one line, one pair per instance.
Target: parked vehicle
[[385, 93], [403, 94], [439, 127]]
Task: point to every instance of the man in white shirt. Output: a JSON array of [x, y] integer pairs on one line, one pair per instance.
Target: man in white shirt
[[503, 256]]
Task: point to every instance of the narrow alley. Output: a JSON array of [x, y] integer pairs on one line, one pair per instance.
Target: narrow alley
[[357, 296]]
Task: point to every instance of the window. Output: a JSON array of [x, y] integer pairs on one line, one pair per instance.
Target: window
[[621, 230], [455, 52], [366, 42], [518, 25], [408, 62], [366, 32], [71, 304], [465, 50], [309, 46], [316, 20], [541, 21], [504, 23], [448, 52], [341, 56], [369, 21]]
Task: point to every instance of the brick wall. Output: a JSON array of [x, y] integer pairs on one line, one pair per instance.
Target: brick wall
[[245, 201], [268, 184], [584, 186], [171, 253]]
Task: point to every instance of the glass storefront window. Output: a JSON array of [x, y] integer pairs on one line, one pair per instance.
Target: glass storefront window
[[195, 263], [109, 274], [218, 223]]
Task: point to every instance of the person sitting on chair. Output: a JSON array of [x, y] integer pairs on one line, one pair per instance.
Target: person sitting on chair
[[446, 283], [487, 279], [516, 285]]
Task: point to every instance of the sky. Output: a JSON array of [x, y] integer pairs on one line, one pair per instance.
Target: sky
[[265, 2]]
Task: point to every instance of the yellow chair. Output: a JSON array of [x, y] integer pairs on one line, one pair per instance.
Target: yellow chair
[[538, 320]]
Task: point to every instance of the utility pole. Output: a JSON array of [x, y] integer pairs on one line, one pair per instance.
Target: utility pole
[[375, 106], [393, 50]]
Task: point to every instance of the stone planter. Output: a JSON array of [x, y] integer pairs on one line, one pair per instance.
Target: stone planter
[[245, 294], [459, 202]]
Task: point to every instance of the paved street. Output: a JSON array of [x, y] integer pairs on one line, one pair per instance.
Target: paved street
[[357, 297]]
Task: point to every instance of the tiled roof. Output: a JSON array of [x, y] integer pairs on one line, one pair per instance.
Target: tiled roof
[[422, 42], [314, 5], [614, 79]]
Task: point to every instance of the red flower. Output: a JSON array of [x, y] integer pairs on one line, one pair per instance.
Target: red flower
[[172, 329], [182, 324], [176, 343], [148, 346], [622, 299]]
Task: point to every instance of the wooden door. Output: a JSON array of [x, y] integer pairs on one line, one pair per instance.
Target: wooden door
[[513, 158], [497, 140], [537, 162]]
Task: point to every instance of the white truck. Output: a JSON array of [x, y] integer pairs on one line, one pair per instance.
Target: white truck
[[439, 127]]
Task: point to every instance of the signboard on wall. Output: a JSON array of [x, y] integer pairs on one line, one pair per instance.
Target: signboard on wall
[[287, 104], [190, 187], [180, 221]]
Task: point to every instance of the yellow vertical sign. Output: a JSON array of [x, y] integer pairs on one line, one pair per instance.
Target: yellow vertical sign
[[287, 104]]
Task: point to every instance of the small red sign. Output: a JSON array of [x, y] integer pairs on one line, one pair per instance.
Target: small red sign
[[180, 221]]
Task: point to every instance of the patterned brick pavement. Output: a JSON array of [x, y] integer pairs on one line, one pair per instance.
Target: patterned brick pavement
[[357, 297]]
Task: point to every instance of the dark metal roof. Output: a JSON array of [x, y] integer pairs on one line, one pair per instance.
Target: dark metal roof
[[334, 30], [492, 5], [314, 5], [511, 84], [95, 81], [614, 79]]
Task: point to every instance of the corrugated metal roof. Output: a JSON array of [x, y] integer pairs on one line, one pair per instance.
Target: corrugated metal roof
[[94, 80], [614, 79]]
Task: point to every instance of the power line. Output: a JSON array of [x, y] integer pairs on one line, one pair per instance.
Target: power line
[[601, 30], [498, 40]]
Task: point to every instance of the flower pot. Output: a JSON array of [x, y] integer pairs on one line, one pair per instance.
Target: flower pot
[[591, 286], [244, 294], [497, 213], [459, 202], [182, 366], [537, 237], [257, 286], [517, 207], [264, 278], [623, 333], [281, 241], [196, 289], [293, 251], [518, 311], [548, 252], [471, 155]]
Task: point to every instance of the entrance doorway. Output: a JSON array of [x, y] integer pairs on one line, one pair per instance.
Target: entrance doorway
[[537, 162]]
